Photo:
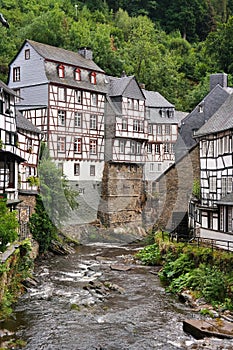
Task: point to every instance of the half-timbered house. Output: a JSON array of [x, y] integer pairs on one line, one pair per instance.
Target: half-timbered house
[[9, 158], [213, 214], [162, 134], [126, 125], [28, 147], [63, 94]]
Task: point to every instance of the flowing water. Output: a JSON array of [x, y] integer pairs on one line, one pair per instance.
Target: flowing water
[[99, 299]]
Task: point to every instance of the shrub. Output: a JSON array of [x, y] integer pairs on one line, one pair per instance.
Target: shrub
[[8, 225]]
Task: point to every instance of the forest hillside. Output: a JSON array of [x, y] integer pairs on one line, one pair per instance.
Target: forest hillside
[[171, 46]]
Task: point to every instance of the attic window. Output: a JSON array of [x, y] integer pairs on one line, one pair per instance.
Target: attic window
[[77, 74], [200, 109], [61, 71], [27, 54], [93, 78]]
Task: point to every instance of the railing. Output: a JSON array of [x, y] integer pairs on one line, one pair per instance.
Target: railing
[[24, 231], [212, 243]]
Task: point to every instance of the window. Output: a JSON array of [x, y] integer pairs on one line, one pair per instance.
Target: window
[[93, 122], [130, 103], [8, 138], [167, 129], [16, 74], [61, 94], [172, 148], [152, 167], [211, 148], [138, 125], [213, 184], [76, 169], [61, 144], [124, 124], [79, 96], [159, 129], [220, 146], [77, 74], [78, 119], [159, 166], [92, 170], [166, 148], [149, 148], [138, 148], [78, 145], [157, 148], [61, 118], [93, 146], [122, 146], [1, 107], [150, 128], [204, 148], [226, 184], [133, 147], [29, 144], [200, 109], [17, 97], [93, 78], [27, 54], [136, 105], [61, 71], [94, 99]]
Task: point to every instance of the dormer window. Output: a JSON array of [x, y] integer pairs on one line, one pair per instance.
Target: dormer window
[[93, 78], [200, 109], [77, 74], [61, 71]]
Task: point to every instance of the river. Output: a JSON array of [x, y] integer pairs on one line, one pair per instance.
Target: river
[[99, 299]]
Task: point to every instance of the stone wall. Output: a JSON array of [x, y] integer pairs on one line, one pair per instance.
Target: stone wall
[[26, 207], [174, 190], [122, 197]]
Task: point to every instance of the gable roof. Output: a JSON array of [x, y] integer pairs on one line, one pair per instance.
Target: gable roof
[[125, 86], [58, 54], [222, 120], [156, 100], [25, 124], [196, 119]]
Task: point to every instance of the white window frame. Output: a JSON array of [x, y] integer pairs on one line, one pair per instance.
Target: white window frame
[[78, 119], [77, 145], [61, 115], [93, 146], [93, 121]]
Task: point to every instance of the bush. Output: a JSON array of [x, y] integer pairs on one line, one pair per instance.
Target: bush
[[8, 225], [150, 255], [41, 227]]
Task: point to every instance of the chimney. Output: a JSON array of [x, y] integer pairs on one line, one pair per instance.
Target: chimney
[[86, 52], [218, 78]]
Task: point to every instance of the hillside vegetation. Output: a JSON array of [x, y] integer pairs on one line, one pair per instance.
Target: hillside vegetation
[[169, 46]]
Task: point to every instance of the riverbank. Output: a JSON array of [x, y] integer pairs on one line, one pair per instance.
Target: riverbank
[[16, 265], [201, 277]]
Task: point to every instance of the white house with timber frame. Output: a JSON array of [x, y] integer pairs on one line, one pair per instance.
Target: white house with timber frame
[[63, 94], [214, 212]]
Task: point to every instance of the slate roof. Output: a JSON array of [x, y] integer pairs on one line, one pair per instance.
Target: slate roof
[[220, 121], [7, 89], [227, 200], [25, 124], [155, 99], [61, 55], [124, 86], [195, 120]]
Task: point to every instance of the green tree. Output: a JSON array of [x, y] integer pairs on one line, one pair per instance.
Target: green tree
[[8, 225], [219, 46], [42, 228], [59, 199]]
